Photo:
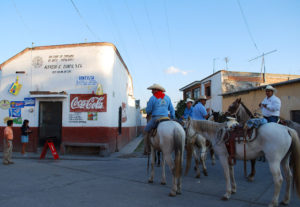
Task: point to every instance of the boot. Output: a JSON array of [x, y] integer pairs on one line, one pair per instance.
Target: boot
[[147, 149]]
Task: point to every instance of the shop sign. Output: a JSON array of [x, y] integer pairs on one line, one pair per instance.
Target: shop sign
[[17, 104], [15, 112], [85, 80], [4, 104], [88, 103], [29, 101]]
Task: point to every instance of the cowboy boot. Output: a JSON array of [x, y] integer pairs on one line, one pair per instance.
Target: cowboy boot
[[147, 149]]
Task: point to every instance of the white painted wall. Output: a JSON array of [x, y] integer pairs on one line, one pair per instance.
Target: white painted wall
[[99, 61]]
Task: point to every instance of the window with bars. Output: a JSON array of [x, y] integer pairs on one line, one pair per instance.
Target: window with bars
[[196, 93]]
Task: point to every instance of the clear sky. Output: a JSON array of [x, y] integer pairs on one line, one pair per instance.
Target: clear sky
[[169, 42]]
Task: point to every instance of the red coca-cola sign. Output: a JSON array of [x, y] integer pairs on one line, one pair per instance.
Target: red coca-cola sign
[[87, 103]]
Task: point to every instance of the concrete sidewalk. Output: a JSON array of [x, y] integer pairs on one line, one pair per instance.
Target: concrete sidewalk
[[127, 149]]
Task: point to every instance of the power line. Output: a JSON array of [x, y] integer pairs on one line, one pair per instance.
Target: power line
[[84, 22], [247, 25], [169, 36], [21, 17]]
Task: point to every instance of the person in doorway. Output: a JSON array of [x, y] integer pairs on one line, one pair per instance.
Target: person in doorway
[[199, 110], [188, 111], [25, 131], [270, 106], [159, 105], [8, 146]]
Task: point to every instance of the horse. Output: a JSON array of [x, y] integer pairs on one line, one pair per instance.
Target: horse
[[242, 114], [277, 142], [169, 138]]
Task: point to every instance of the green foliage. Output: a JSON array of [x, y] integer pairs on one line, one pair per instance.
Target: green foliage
[[180, 108]]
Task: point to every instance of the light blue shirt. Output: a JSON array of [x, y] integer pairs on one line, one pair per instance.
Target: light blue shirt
[[188, 112], [160, 107], [199, 112]]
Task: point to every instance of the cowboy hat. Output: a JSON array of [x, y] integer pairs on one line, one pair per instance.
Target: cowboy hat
[[189, 100], [157, 87], [269, 87], [202, 97]]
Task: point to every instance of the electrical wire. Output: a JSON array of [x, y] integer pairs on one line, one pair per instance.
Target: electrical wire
[[169, 35], [21, 17], [84, 22], [247, 25]]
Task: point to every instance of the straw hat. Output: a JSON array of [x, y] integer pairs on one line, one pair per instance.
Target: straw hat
[[269, 87], [189, 100], [202, 97], [157, 87]]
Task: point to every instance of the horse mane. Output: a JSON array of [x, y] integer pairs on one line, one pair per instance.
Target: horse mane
[[247, 110], [207, 126]]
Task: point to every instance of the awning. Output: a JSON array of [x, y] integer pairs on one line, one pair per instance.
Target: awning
[[48, 94]]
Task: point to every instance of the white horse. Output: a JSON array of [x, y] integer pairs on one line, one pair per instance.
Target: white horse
[[170, 137], [277, 142]]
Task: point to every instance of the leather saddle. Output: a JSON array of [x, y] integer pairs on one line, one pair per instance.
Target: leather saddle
[[157, 122]]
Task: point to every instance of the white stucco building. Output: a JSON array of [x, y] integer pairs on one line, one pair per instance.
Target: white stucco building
[[72, 92]]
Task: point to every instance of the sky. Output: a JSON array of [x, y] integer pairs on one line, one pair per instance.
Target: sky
[[169, 42]]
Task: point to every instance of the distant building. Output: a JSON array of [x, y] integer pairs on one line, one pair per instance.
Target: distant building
[[228, 81], [81, 94], [287, 91]]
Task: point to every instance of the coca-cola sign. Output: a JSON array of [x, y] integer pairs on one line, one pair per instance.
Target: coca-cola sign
[[87, 103]]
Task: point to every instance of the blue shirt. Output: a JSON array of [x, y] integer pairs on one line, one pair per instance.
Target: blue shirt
[[188, 112], [160, 107], [199, 112]]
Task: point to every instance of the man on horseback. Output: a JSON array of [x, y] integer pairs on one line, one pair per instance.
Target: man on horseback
[[188, 111], [199, 111], [270, 106], [158, 106]]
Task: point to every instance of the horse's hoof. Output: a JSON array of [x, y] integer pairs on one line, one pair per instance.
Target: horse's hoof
[[178, 192], [198, 176], [150, 181], [284, 203], [172, 194], [163, 183], [205, 173], [224, 198], [250, 179]]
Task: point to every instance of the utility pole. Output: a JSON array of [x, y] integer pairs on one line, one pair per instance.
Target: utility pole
[[263, 67], [226, 59], [214, 61]]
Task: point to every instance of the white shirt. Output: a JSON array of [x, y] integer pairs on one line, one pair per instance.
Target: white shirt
[[273, 106]]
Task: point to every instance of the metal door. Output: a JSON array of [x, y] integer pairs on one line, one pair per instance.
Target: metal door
[[50, 122]]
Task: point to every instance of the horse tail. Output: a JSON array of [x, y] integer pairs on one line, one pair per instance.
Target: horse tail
[[189, 154], [179, 138], [295, 161]]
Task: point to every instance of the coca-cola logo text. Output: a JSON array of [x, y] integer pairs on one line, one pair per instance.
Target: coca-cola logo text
[[87, 103]]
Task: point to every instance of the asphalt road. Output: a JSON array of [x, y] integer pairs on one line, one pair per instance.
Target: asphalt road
[[123, 182]]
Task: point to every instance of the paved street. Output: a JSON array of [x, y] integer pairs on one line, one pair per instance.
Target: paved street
[[122, 182]]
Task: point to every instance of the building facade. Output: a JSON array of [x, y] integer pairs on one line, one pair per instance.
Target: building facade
[[228, 81], [287, 91], [77, 93]]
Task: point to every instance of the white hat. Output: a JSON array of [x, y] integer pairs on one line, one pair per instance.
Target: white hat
[[189, 100], [202, 97], [157, 87], [269, 87]]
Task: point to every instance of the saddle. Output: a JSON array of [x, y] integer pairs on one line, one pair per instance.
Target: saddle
[[157, 122]]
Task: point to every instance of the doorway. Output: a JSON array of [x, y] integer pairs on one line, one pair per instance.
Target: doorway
[[50, 122]]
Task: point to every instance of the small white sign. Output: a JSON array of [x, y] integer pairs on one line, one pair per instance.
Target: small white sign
[[86, 80]]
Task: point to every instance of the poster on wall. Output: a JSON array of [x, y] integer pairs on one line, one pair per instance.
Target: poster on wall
[[92, 116], [17, 120], [15, 112], [4, 104], [17, 104], [87, 103], [76, 118], [15, 87], [29, 101]]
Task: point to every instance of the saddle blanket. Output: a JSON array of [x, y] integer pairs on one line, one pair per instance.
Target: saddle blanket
[[256, 122]]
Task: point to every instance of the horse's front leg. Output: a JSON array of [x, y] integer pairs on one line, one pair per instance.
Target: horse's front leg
[[203, 158], [152, 165], [252, 174], [163, 171], [232, 179], [169, 161], [212, 155], [225, 165], [196, 163]]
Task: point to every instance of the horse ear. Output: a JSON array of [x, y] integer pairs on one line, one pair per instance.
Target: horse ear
[[239, 100]]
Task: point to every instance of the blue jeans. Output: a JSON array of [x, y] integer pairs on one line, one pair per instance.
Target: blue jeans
[[272, 118], [151, 123]]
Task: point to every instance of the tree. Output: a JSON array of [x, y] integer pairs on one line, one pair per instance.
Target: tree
[[180, 109]]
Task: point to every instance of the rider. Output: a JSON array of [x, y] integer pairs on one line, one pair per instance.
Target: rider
[[188, 111], [199, 111], [270, 106], [158, 106]]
